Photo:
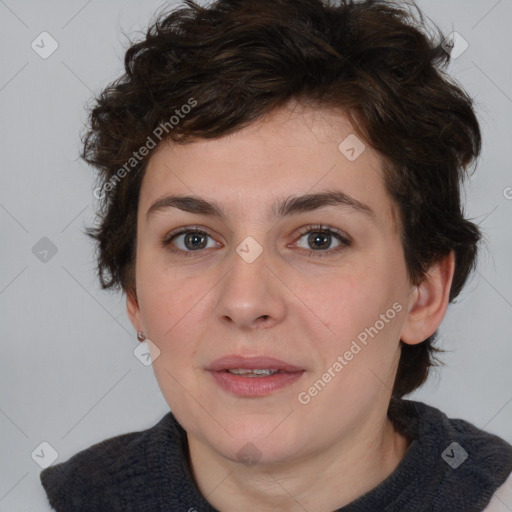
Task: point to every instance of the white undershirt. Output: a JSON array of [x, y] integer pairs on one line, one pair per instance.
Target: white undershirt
[[502, 499]]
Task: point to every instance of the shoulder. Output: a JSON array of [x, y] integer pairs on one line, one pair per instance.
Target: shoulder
[[468, 465], [502, 498], [107, 473]]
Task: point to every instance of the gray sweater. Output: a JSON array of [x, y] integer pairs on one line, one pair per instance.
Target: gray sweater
[[449, 466]]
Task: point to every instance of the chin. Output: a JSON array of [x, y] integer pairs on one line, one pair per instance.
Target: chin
[[260, 447], [257, 453]]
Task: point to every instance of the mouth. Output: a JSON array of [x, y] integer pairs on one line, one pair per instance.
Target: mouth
[[253, 376], [256, 372]]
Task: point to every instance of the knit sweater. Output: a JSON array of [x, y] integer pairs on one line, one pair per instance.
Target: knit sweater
[[148, 471]]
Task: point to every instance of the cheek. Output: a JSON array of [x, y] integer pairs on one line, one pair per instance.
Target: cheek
[[170, 317], [172, 312], [166, 294], [361, 311], [350, 299], [175, 308]]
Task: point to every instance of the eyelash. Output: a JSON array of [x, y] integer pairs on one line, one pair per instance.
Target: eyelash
[[344, 241], [325, 230]]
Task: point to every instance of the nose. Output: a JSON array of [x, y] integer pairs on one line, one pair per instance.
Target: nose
[[250, 295]]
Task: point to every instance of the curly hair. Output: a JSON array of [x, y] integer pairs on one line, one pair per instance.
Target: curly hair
[[234, 61]]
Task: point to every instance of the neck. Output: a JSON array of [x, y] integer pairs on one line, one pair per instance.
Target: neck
[[325, 481]]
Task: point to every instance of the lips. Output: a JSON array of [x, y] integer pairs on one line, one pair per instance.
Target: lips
[[231, 374], [234, 362]]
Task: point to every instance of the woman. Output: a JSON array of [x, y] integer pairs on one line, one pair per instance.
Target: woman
[[280, 187]]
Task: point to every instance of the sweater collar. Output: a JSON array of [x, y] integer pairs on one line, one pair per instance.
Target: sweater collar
[[428, 473]]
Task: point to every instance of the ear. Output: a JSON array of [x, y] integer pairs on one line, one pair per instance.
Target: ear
[[132, 306], [429, 301]]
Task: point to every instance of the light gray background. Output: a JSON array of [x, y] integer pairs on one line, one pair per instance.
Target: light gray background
[[68, 375]]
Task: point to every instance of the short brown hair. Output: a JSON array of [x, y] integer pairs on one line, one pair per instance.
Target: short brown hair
[[240, 59]]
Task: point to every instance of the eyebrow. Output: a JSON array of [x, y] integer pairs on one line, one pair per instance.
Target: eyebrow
[[289, 206]]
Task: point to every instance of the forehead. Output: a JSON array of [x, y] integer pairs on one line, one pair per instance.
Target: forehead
[[292, 151]]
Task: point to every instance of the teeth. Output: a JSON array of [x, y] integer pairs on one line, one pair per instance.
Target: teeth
[[250, 373]]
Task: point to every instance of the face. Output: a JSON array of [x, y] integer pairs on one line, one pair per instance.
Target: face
[[320, 285]]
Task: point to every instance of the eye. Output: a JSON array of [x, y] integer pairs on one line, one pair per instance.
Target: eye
[[321, 238], [187, 241]]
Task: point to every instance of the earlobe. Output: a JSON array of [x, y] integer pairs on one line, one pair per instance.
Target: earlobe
[[429, 302], [133, 309]]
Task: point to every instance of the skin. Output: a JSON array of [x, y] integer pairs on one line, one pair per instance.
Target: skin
[[286, 304]]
